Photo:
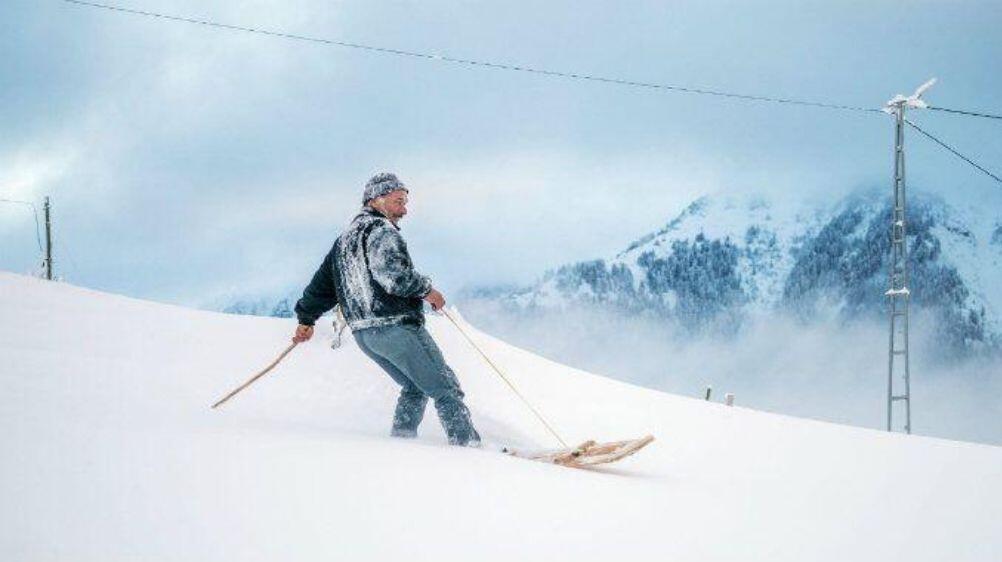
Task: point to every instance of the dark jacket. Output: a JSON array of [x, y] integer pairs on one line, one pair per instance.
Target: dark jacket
[[321, 294], [370, 274]]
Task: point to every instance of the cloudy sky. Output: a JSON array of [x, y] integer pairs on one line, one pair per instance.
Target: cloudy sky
[[188, 163]]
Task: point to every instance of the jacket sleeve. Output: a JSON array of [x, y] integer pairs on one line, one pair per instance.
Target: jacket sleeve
[[320, 295], [390, 264]]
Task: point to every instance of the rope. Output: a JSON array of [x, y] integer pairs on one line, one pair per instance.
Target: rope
[[503, 377]]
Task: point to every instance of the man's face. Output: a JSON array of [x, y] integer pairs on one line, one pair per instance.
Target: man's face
[[393, 205]]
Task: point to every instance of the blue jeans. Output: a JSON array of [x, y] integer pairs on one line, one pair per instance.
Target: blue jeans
[[409, 355]]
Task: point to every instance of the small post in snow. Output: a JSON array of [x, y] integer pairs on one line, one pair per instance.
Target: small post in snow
[[48, 240], [709, 390]]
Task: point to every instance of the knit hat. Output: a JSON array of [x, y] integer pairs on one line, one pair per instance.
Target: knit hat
[[381, 184]]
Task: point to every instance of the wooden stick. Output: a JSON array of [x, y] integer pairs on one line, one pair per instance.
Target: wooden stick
[[257, 376]]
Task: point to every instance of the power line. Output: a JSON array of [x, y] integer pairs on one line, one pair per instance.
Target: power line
[[34, 213], [553, 73], [69, 256], [968, 113], [484, 64], [954, 151]]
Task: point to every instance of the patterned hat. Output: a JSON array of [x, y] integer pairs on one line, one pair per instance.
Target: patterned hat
[[381, 184]]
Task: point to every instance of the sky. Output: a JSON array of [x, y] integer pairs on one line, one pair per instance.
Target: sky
[[190, 164]]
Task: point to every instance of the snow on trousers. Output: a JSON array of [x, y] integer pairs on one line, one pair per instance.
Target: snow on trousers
[[410, 356]]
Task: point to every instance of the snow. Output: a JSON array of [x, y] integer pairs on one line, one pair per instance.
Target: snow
[[765, 260], [914, 99], [965, 231], [111, 452]]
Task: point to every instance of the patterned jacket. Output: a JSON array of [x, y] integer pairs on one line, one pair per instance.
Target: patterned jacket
[[370, 274]]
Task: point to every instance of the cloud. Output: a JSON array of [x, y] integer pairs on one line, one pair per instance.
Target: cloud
[[30, 171], [546, 205], [167, 145], [824, 370]]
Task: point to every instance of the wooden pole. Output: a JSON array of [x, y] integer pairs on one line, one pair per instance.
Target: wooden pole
[[48, 241], [257, 376]]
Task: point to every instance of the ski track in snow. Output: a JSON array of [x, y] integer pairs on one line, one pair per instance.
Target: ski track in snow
[[112, 453]]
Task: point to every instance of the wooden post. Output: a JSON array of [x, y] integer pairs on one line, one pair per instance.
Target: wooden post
[[48, 240]]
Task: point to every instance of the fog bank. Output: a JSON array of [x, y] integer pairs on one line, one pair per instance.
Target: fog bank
[[827, 370]]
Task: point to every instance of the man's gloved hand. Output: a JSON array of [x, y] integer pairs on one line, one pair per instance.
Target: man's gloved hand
[[435, 299], [303, 333]]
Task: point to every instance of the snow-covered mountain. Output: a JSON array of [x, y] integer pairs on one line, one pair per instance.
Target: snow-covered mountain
[[723, 258], [112, 453], [259, 306]]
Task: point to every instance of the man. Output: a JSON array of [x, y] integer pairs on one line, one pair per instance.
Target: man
[[369, 274]]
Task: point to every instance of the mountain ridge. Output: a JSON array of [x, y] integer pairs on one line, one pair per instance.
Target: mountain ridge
[[723, 258]]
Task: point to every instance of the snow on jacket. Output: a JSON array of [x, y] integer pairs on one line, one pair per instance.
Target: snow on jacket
[[372, 277]]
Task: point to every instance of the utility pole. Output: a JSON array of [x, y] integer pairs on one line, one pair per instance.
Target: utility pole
[[48, 240], [898, 294]]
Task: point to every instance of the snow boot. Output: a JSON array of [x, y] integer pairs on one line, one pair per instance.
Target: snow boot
[[409, 412], [455, 418]]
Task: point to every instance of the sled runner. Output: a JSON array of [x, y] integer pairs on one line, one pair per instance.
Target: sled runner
[[588, 453]]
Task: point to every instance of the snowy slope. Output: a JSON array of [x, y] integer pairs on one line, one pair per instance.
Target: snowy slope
[[112, 453]]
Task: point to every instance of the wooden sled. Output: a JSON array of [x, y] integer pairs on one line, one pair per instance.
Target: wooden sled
[[588, 453]]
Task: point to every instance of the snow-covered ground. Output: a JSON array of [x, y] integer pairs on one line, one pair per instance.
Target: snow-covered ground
[[110, 452]]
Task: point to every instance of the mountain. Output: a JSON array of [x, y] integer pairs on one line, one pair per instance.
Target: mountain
[[725, 258], [261, 306], [112, 453]]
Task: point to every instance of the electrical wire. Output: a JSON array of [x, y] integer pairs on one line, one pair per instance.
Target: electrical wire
[[553, 73], [69, 256], [484, 64], [954, 151], [34, 213], [968, 113]]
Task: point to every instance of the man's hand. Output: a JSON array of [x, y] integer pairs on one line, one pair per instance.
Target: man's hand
[[435, 299], [303, 333]]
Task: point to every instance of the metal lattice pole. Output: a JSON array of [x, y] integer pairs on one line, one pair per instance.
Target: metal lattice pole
[[898, 294]]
